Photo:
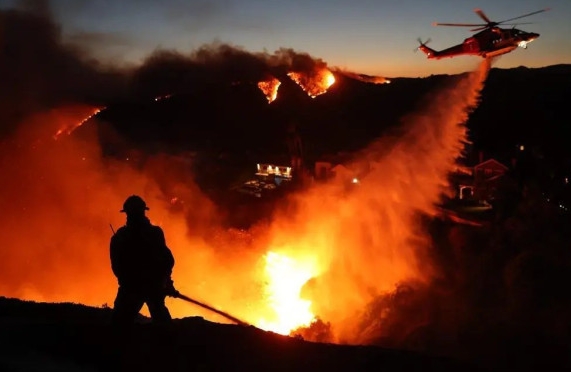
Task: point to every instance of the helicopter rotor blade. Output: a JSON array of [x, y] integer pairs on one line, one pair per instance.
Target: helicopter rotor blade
[[481, 14], [489, 23], [517, 24], [525, 15], [503, 24], [458, 24]]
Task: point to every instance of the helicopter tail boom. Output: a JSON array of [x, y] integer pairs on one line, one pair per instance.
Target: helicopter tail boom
[[430, 53]]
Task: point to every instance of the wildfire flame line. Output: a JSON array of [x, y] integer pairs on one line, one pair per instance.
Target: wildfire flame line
[[68, 129], [315, 84], [270, 88]]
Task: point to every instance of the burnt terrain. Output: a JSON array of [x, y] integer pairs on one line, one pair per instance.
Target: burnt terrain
[[72, 337], [518, 106]]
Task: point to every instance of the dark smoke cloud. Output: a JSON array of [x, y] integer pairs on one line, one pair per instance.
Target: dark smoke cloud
[[97, 40], [170, 72], [38, 7], [39, 72]]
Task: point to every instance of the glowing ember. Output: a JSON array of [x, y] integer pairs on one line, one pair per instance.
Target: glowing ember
[[160, 98], [68, 129], [270, 88], [286, 277], [314, 84]]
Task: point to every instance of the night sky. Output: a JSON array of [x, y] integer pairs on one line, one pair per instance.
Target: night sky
[[365, 36]]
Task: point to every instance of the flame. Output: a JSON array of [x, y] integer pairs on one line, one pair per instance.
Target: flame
[[314, 84], [68, 128], [270, 88], [286, 278]]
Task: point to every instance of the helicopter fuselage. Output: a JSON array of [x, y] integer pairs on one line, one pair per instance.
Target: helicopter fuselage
[[488, 43]]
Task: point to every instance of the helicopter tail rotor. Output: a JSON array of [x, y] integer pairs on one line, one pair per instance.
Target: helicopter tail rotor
[[421, 43]]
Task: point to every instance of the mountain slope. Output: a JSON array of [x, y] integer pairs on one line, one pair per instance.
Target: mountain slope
[[69, 337], [517, 105]]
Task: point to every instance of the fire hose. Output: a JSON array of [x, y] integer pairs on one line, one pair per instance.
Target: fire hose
[[177, 294]]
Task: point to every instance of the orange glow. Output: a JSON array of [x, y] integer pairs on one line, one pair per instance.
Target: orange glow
[[327, 254], [270, 88], [365, 78], [314, 83]]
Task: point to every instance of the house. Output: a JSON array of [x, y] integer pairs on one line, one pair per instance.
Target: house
[[266, 179], [480, 181], [278, 171]]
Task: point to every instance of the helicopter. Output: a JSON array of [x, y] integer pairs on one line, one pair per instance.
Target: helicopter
[[490, 41]]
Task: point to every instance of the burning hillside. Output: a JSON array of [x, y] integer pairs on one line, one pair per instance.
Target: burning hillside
[[259, 274], [261, 280], [270, 88], [167, 72], [314, 83], [68, 128]]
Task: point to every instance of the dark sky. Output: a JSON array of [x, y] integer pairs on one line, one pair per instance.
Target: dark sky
[[366, 36]]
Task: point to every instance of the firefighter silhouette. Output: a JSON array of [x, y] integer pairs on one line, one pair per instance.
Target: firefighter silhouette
[[142, 263]]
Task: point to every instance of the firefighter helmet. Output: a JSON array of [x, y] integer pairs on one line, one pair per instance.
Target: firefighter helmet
[[134, 203]]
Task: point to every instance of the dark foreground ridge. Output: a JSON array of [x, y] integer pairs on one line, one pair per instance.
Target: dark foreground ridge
[[71, 337]]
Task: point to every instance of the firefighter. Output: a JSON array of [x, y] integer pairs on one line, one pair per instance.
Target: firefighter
[[142, 263]]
